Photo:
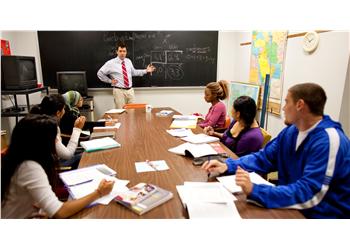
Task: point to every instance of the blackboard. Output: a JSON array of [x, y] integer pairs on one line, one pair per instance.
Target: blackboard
[[182, 58]]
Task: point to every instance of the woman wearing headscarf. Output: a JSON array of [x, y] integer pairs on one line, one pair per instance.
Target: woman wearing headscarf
[[73, 101]]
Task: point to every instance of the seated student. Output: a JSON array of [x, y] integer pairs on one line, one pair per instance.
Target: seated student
[[53, 105], [28, 173], [73, 101], [312, 156], [214, 92], [243, 135]]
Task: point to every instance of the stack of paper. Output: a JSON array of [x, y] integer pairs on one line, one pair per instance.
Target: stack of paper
[[115, 111], [207, 200], [81, 182], [200, 138], [99, 144], [196, 150], [229, 182], [180, 132]]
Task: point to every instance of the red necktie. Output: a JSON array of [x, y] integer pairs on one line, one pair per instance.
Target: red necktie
[[125, 74]]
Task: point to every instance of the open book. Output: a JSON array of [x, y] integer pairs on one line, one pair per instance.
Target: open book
[[196, 150], [143, 197], [99, 144], [200, 138]]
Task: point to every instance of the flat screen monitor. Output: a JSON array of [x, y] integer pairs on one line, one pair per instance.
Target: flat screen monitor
[[72, 80], [18, 72]]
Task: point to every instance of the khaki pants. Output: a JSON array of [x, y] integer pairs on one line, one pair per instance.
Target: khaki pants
[[122, 97]]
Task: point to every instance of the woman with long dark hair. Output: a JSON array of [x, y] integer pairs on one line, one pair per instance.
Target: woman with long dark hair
[[28, 173], [54, 105], [243, 135]]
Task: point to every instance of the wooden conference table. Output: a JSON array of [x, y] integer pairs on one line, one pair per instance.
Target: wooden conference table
[[143, 137]]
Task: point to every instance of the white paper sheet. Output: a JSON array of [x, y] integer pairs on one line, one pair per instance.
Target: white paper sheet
[[229, 182], [151, 166]]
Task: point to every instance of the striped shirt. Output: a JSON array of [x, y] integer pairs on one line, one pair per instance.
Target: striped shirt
[[112, 69]]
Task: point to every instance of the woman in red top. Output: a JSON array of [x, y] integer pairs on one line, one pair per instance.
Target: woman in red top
[[214, 92]]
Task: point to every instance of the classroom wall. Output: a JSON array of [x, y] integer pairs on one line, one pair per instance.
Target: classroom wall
[[23, 43], [328, 65]]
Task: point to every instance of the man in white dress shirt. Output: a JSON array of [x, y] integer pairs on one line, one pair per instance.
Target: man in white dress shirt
[[118, 72]]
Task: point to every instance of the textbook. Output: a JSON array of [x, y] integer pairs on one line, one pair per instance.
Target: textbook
[[143, 197], [99, 144], [200, 138], [195, 150]]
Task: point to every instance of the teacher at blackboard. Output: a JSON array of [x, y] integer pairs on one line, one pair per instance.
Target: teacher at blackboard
[[118, 72]]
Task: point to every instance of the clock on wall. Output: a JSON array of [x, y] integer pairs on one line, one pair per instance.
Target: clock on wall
[[311, 40]]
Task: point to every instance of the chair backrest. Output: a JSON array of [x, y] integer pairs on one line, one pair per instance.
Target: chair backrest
[[266, 135], [226, 125], [134, 105]]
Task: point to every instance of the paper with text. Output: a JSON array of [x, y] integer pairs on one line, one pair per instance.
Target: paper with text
[[229, 182]]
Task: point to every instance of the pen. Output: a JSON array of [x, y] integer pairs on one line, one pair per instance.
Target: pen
[[151, 165], [81, 183], [208, 163]]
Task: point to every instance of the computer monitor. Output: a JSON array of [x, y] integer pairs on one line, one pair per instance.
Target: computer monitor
[[72, 80], [18, 72]]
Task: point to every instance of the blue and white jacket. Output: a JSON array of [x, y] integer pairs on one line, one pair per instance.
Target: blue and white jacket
[[314, 178]]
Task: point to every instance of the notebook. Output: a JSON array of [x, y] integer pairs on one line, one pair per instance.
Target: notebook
[[99, 144]]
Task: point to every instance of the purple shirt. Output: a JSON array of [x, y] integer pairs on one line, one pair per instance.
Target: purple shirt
[[216, 116], [246, 142]]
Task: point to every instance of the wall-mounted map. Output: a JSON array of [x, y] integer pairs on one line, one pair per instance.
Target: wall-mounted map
[[267, 57]]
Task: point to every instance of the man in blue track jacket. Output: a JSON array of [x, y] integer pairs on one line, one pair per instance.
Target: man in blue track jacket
[[311, 155]]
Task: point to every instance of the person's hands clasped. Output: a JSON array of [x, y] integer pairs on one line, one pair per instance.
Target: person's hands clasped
[[114, 82], [214, 166], [79, 122], [208, 130], [243, 180], [105, 187]]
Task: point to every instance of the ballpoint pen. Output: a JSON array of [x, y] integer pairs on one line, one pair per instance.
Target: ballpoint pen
[[208, 163], [149, 163], [76, 184]]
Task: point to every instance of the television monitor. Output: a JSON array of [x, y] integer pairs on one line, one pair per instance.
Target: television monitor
[[72, 80], [18, 72]]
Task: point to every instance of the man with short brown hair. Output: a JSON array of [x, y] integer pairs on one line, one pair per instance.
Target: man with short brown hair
[[311, 155], [118, 72]]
